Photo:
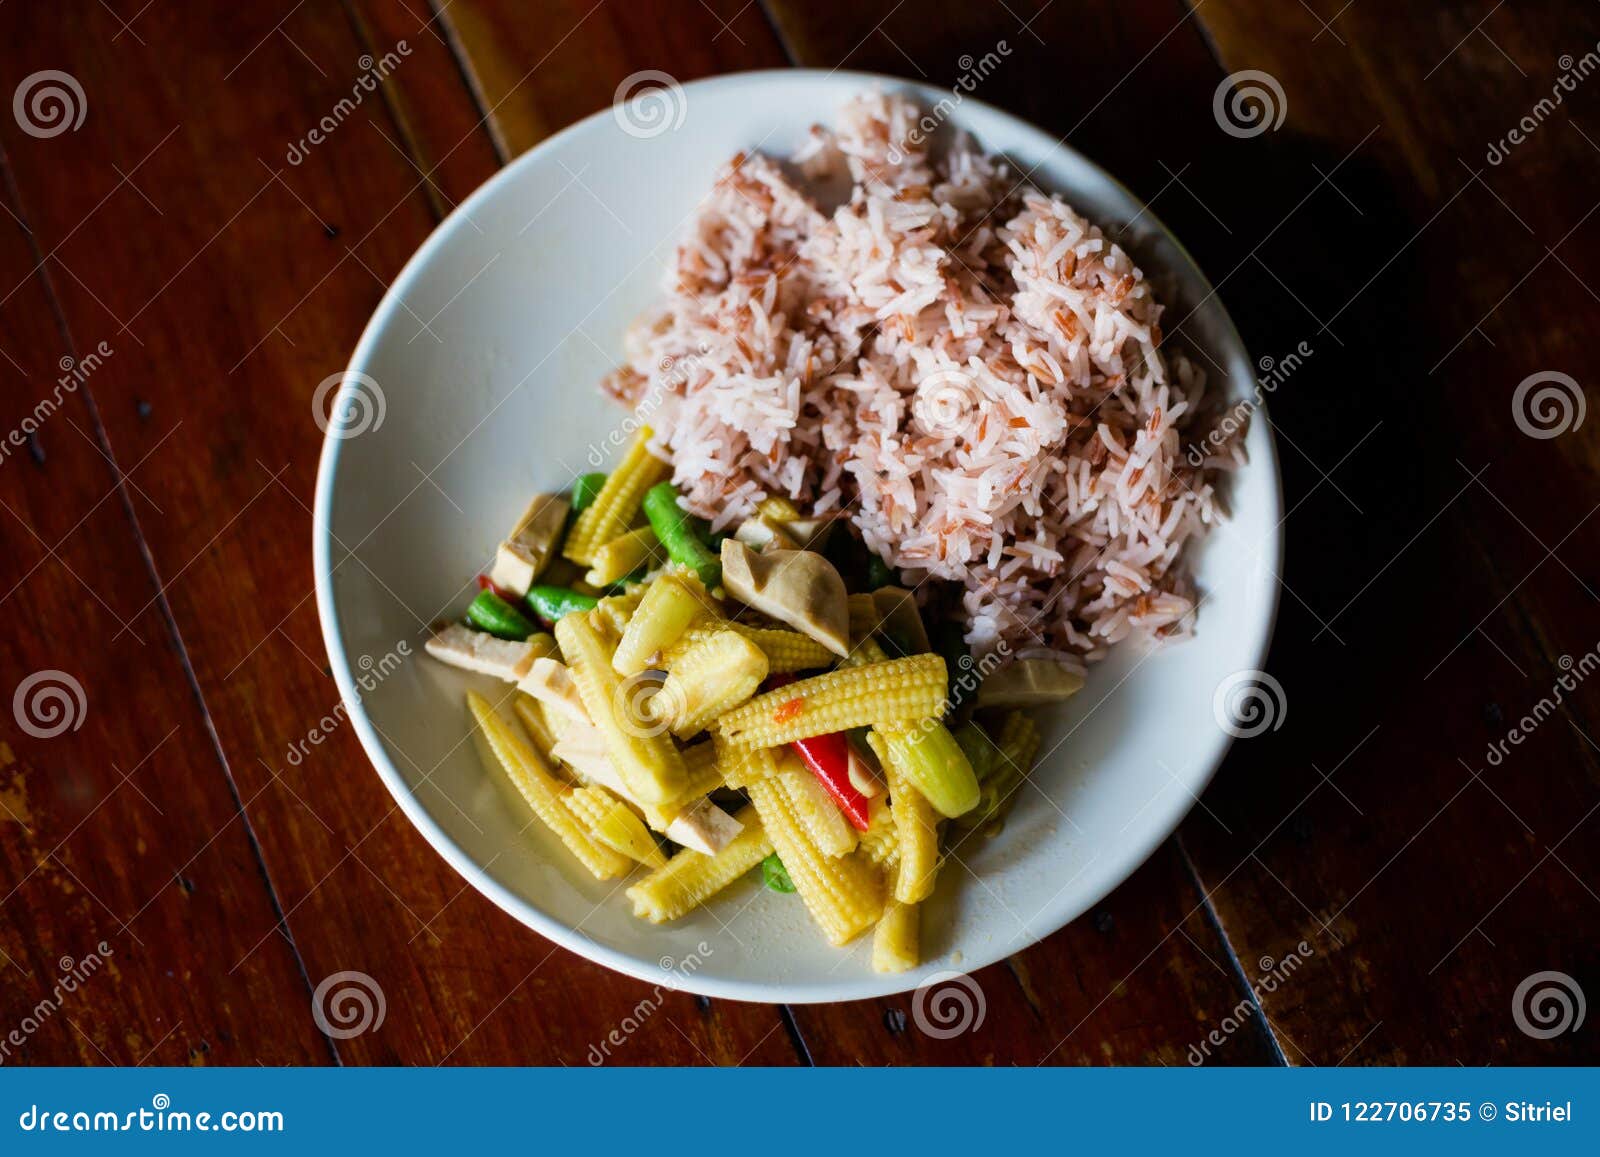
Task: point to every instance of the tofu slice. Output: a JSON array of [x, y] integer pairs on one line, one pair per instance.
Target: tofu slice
[[761, 532], [529, 547], [475, 651], [704, 827], [549, 681], [591, 763]]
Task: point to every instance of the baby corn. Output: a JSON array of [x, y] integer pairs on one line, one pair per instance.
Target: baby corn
[[880, 843], [1018, 744], [663, 616], [916, 827], [895, 945], [844, 895], [610, 822], [785, 650], [621, 556], [532, 778], [689, 879], [648, 763], [617, 504], [742, 766], [721, 670], [820, 818], [899, 691]]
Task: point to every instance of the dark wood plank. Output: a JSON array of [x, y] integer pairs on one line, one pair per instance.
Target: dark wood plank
[[250, 287], [1147, 992], [540, 66], [1140, 980], [444, 136], [1432, 879], [126, 871], [1391, 869]]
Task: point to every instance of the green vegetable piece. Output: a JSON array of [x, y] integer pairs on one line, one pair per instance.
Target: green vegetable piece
[[551, 603], [676, 529], [585, 489], [980, 749], [491, 613], [879, 573], [774, 875]]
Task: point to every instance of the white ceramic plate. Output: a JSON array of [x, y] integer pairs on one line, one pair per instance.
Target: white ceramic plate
[[479, 368]]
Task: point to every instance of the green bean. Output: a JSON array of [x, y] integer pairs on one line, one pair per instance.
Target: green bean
[[489, 612], [675, 527], [774, 875], [585, 489], [551, 603]]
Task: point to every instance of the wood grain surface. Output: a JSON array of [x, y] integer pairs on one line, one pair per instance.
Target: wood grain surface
[[1369, 881]]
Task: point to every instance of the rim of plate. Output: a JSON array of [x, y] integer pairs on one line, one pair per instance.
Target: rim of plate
[[525, 911]]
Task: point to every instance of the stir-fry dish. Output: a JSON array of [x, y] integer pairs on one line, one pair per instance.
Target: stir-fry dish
[[695, 707], [903, 405]]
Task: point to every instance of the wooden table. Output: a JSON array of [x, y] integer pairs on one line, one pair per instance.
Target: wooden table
[[168, 259]]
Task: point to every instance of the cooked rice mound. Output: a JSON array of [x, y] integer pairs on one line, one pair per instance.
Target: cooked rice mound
[[961, 364]]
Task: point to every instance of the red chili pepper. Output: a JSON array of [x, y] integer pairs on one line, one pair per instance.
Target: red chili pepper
[[828, 758], [485, 583]]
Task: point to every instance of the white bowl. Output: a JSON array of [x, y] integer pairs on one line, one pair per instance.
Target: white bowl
[[484, 356]]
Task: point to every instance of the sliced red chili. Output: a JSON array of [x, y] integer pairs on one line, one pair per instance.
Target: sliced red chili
[[828, 758], [485, 583]]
